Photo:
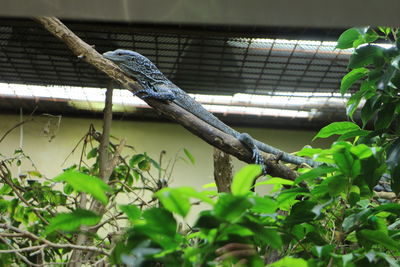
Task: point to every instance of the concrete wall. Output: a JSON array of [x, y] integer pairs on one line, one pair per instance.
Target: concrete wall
[[49, 154], [151, 137]]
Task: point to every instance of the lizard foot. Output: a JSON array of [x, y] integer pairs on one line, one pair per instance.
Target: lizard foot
[[157, 95], [247, 140], [258, 159]]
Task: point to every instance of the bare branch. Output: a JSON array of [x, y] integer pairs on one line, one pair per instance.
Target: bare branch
[[46, 243], [14, 127], [23, 258], [211, 135]]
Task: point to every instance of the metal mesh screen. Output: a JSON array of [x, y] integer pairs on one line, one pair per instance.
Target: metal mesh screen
[[298, 68], [211, 63]]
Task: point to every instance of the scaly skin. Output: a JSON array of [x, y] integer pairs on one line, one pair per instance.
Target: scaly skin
[[156, 85]]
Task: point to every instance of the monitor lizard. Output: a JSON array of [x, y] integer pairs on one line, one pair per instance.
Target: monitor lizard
[[156, 85]]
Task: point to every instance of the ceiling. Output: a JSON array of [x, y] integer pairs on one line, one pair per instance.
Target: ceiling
[[202, 59], [287, 13]]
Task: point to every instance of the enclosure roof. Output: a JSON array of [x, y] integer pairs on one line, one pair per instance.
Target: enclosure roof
[[306, 13], [296, 63]]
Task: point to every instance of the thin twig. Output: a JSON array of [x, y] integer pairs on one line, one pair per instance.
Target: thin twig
[[16, 191], [23, 258], [46, 242], [2, 251], [14, 127]]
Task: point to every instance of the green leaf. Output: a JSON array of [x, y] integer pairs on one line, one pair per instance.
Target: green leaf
[[393, 154], [356, 133], [301, 212], [189, 156], [367, 90], [336, 184], [347, 163], [379, 237], [92, 153], [371, 171], [314, 173], [192, 193], [160, 221], [160, 226], [385, 30], [144, 165], [337, 128], [354, 195], [132, 211], [369, 109], [309, 152], [264, 204], [155, 163], [210, 185], [289, 262], [85, 183], [350, 78], [207, 220], [355, 219], [68, 189], [347, 38], [386, 80], [274, 181], [288, 196], [177, 200], [389, 207], [366, 55], [385, 116], [362, 151], [35, 174], [243, 180], [136, 159], [230, 208], [235, 229], [173, 201], [370, 36], [5, 190], [271, 237], [72, 221], [356, 36], [395, 182], [322, 251]]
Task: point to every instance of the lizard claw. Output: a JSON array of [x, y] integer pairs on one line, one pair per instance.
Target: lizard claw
[[258, 159], [246, 139]]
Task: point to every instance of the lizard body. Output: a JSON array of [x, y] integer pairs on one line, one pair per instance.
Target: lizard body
[[156, 85]]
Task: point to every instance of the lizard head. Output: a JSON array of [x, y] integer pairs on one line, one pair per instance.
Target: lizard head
[[123, 56]]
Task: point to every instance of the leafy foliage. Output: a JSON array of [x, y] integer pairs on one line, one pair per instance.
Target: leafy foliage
[[46, 216], [335, 216], [331, 215], [328, 216]]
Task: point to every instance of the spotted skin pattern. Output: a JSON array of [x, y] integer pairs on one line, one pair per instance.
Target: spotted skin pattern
[[156, 85]]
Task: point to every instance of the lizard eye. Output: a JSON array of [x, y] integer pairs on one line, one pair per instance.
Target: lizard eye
[[119, 54]]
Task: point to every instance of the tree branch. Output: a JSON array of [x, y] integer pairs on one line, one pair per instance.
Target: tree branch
[[14, 127], [46, 243], [211, 135], [222, 171]]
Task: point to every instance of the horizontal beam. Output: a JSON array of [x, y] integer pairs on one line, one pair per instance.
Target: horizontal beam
[[306, 13]]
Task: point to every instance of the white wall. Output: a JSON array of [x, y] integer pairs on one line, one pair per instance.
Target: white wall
[[151, 137]]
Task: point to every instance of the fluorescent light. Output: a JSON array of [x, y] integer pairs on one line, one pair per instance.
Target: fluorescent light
[[300, 45], [279, 104]]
